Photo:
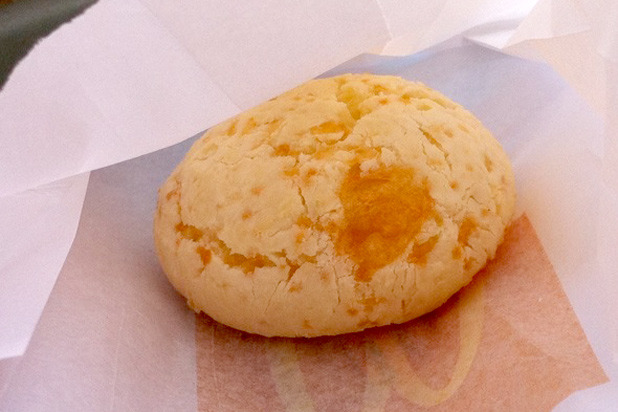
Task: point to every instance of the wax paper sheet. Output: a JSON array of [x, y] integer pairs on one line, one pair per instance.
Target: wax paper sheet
[[128, 78], [115, 336]]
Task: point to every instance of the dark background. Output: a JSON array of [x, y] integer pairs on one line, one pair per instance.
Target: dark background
[[24, 22]]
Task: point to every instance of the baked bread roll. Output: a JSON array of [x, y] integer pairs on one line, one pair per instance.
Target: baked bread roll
[[345, 203]]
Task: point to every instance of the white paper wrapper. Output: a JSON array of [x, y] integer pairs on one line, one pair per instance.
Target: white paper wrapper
[[130, 77], [107, 91]]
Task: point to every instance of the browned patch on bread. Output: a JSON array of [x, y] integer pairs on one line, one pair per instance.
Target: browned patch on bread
[[421, 250], [456, 252], [329, 127], [352, 311], [296, 287], [257, 190], [298, 239], [189, 232], [384, 210], [304, 221], [205, 254], [468, 226]]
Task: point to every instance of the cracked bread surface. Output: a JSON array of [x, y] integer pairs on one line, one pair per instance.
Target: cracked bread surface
[[346, 203]]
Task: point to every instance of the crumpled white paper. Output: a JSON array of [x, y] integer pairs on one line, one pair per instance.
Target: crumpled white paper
[[41, 224], [130, 77], [579, 40], [112, 311]]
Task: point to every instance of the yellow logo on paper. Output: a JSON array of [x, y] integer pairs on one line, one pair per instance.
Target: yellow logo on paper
[[387, 366]]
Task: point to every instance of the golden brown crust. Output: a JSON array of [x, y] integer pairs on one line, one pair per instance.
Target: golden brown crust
[[346, 203]]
